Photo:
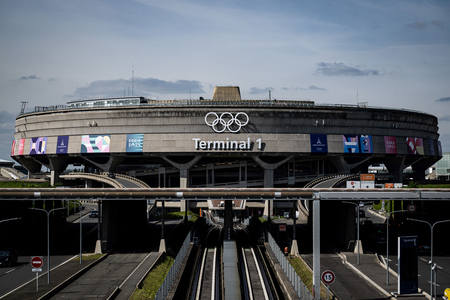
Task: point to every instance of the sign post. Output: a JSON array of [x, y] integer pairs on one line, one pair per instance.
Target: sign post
[[36, 263], [328, 278]]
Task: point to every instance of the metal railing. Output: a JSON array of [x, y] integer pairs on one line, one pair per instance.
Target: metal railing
[[164, 289], [286, 103], [299, 287]]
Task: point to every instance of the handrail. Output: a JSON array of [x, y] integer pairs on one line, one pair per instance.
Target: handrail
[[141, 183], [94, 176], [277, 103]]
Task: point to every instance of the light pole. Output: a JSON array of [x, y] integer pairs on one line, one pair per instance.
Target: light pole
[[1, 221], [81, 229], [387, 243], [48, 237], [431, 259], [357, 232]]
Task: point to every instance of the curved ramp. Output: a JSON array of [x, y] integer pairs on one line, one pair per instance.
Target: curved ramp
[[95, 177]]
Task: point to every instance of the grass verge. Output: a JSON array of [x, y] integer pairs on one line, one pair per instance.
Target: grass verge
[[88, 256], [306, 275], [154, 279]]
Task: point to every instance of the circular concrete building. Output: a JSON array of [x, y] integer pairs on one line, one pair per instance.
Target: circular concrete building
[[225, 141]]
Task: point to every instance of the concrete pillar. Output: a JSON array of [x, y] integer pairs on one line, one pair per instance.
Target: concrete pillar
[[294, 247], [316, 249], [162, 243], [110, 166], [56, 166], [30, 164], [243, 173], [184, 177], [395, 166], [210, 175], [269, 179], [228, 220], [162, 177]]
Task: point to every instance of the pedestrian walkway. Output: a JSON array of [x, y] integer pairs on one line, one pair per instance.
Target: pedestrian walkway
[[365, 281], [374, 271]]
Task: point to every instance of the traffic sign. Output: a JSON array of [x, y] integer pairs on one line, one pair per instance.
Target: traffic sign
[[37, 262], [412, 208], [328, 277]]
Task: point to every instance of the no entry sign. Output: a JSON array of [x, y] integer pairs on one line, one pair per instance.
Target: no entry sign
[[37, 262]]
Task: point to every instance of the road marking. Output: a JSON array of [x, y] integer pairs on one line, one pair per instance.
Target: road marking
[[10, 271]]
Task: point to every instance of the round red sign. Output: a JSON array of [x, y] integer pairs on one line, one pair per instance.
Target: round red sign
[[328, 277], [37, 262], [412, 208]]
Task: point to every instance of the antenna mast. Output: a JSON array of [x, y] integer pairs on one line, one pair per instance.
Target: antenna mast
[[132, 79]]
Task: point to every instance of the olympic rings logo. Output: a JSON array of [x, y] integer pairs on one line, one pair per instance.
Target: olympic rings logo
[[226, 121]]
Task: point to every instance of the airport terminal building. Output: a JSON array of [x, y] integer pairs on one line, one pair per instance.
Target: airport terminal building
[[225, 141]]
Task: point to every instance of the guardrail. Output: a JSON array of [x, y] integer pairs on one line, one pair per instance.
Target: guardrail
[[299, 287], [94, 176], [168, 282], [279, 103], [130, 178]]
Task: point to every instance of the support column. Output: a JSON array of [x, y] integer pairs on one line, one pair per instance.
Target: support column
[[228, 220], [162, 177], [30, 164], [242, 174], [210, 175], [395, 166], [294, 247], [184, 178], [162, 244], [98, 244], [56, 166], [112, 163], [269, 179], [316, 247]]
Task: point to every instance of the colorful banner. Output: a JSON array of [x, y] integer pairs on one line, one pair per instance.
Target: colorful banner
[[414, 146], [319, 143], [351, 144], [13, 148], [38, 145], [366, 143], [62, 144], [390, 144], [95, 143], [21, 146], [135, 142]]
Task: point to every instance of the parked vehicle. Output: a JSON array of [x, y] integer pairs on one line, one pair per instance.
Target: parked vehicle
[[8, 257]]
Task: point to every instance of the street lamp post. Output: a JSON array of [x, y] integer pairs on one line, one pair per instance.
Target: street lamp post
[[13, 219], [48, 237], [387, 243], [431, 259], [357, 232]]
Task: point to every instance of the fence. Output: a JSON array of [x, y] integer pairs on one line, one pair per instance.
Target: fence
[[167, 284], [300, 288]]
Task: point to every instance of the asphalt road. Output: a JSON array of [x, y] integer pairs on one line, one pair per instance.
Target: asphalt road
[[15, 276]]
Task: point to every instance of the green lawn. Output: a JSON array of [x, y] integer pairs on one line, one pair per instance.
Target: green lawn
[[154, 279]]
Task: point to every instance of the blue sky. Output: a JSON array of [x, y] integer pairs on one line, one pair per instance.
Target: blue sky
[[395, 53]]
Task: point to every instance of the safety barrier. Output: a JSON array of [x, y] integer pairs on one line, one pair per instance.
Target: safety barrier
[[164, 289], [300, 288]]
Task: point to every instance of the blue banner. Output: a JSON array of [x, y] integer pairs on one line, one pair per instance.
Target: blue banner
[[135, 142], [408, 275], [351, 143], [319, 143], [366, 143], [62, 144]]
